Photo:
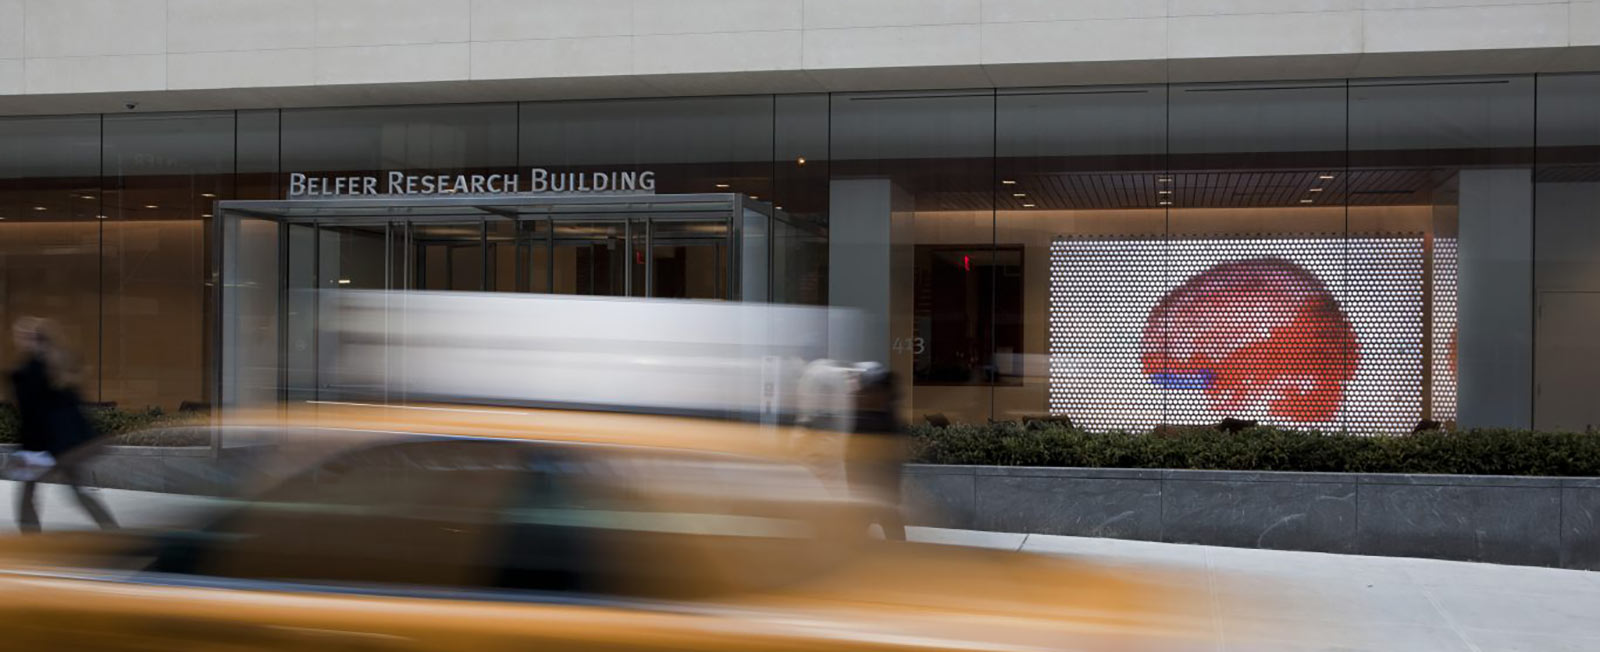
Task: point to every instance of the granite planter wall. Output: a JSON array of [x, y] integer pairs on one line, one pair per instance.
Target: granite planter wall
[[1511, 520]]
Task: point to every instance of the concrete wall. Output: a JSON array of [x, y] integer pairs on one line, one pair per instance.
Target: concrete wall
[[232, 53], [870, 266], [1508, 520]]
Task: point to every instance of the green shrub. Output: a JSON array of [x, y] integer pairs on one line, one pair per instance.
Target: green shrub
[[1477, 452], [8, 425], [128, 427], [157, 435]]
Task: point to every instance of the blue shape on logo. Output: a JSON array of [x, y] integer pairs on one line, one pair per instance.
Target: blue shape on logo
[[1188, 380]]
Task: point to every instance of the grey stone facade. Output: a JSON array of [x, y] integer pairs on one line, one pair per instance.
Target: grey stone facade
[[1510, 520]]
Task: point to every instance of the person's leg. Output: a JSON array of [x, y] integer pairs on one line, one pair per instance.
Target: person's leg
[[892, 521], [27, 512], [73, 475], [894, 527]]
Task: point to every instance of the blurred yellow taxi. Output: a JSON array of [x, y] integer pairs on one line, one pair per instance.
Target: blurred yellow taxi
[[485, 529]]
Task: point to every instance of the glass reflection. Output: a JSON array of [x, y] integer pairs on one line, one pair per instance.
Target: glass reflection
[[1566, 269], [913, 170], [49, 232], [1076, 165], [163, 174], [1441, 171]]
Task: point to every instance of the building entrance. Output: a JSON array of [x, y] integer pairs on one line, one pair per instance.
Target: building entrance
[[281, 262]]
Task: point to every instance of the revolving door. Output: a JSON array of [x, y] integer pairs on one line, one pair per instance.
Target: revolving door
[[281, 262]]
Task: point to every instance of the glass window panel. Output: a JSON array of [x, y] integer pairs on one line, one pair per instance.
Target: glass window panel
[[1257, 319], [915, 170], [1078, 211], [694, 145], [501, 238], [1566, 239], [689, 259], [49, 234], [637, 256], [534, 254], [249, 360], [257, 164], [350, 257], [448, 256], [300, 270], [588, 258], [163, 174], [800, 194], [453, 139], [1448, 162], [1456, 121]]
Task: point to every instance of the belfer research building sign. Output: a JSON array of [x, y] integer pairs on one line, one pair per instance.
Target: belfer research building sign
[[539, 181]]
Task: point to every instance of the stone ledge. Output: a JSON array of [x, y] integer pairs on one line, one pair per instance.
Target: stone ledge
[[1536, 521]]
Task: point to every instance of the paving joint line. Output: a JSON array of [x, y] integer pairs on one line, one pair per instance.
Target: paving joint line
[[1448, 619]]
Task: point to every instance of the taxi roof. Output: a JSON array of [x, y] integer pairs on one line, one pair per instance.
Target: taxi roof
[[592, 427]]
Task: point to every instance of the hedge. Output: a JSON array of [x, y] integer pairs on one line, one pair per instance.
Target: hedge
[[1474, 452], [1469, 452], [129, 427]]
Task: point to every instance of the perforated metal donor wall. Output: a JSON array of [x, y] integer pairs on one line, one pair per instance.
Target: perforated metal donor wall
[[1311, 331]]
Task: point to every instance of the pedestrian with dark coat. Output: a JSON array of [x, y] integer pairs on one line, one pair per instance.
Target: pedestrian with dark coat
[[44, 388], [876, 451]]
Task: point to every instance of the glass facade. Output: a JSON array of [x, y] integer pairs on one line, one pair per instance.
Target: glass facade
[[51, 236], [692, 145], [160, 175], [1330, 254]]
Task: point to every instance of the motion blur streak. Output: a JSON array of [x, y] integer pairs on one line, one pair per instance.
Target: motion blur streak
[[664, 355], [484, 472]]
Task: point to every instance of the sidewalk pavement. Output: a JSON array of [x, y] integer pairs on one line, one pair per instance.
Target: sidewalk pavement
[[1300, 600], [1320, 601]]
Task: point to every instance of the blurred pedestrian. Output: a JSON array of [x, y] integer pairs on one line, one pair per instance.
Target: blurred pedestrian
[[825, 407], [877, 449], [54, 430]]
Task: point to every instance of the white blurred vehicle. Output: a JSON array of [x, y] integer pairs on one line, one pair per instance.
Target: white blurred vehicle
[[668, 356]]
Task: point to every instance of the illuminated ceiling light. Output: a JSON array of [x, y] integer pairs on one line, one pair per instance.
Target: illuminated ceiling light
[[1019, 194], [85, 196], [344, 281], [778, 207], [1325, 177], [1306, 201], [1166, 202], [39, 208], [208, 195], [205, 215], [800, 160], [1316, 190], [1163, 179], [722, 186], [1009, 182], [755, 196], [1163, 192], [151, 206], [1027, 205], [101, 217]]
